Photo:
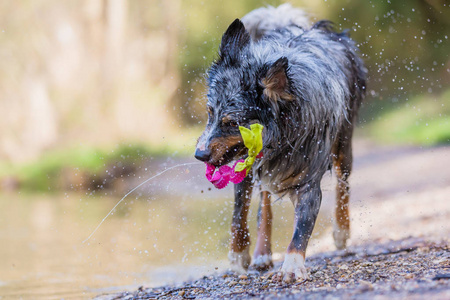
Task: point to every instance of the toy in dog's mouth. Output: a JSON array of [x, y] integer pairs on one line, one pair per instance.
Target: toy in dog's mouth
[[253, 141], [224, 174]]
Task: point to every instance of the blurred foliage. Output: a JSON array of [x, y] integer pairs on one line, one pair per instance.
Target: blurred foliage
[[405, 43], [101, 72], [82, 168], [424, 120], [93, 72]]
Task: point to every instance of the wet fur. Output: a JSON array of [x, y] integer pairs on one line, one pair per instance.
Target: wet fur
[[326, 85], [305, 86]]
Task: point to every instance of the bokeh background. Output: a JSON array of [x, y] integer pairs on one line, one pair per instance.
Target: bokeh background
[[97, 95], [97, 73]]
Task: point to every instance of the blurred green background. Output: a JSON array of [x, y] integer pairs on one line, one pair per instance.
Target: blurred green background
[[86, 84]]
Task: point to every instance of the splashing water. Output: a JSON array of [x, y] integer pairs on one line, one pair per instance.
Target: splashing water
[[132, 190]]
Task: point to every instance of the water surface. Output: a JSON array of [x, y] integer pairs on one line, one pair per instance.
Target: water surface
[[149, 240]]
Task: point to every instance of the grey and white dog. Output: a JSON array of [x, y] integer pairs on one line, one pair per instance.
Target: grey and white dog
[[304, 84]]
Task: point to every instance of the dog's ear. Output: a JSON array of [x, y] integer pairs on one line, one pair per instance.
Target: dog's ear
[[233, 40], [276, 81]]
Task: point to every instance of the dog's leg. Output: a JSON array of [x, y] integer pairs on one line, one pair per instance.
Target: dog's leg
[[239, 254], [342, 162], [262, 257], [307, 203]]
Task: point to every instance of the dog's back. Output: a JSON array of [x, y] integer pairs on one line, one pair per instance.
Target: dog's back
[[263, 20], [267, 21]]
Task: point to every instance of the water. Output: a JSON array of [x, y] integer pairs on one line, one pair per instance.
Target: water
[[148, 241]]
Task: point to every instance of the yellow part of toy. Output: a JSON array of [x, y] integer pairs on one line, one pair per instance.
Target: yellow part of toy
[[253, 141]]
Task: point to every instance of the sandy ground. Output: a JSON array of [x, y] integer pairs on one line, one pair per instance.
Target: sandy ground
[[399, 249]]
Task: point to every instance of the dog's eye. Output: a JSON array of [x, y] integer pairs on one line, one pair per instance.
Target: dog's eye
[[233, 123], [230, 123], [227, 121]]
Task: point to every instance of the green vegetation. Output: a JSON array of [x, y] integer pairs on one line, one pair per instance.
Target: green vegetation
[[75, 168], [424, 120]]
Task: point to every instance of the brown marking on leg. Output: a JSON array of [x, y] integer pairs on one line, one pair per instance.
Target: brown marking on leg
[[342, 204], [342, 165], [293, 250], [262, 256], [342, 162], [240, 237]]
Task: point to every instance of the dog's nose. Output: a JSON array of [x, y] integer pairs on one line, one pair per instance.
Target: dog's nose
[[204, 155]]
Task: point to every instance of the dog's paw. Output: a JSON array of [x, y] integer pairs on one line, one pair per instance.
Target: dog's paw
[[340, 237], [262, 262], [293, 269], [239, 261]]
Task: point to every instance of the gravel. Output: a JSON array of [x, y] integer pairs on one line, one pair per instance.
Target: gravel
[[410, 268]]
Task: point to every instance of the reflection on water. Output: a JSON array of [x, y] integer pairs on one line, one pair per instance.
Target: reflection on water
[[147, 241]]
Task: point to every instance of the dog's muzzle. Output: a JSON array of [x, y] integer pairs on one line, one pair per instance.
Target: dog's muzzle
[[203, 155]]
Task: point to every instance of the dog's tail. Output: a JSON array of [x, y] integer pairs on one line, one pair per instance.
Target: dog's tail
[[262, 20]]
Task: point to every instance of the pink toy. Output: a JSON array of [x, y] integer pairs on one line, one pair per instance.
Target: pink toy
[[224, 175], [253, 141]]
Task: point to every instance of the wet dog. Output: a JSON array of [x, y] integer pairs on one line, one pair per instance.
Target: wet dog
[[304, 84]]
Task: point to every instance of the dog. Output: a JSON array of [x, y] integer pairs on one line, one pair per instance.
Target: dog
[[304, 83]]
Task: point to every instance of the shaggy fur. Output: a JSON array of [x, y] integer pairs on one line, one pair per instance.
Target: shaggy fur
[[304, 85]]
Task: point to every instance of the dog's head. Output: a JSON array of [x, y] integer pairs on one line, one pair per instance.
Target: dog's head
[[243, 89]]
